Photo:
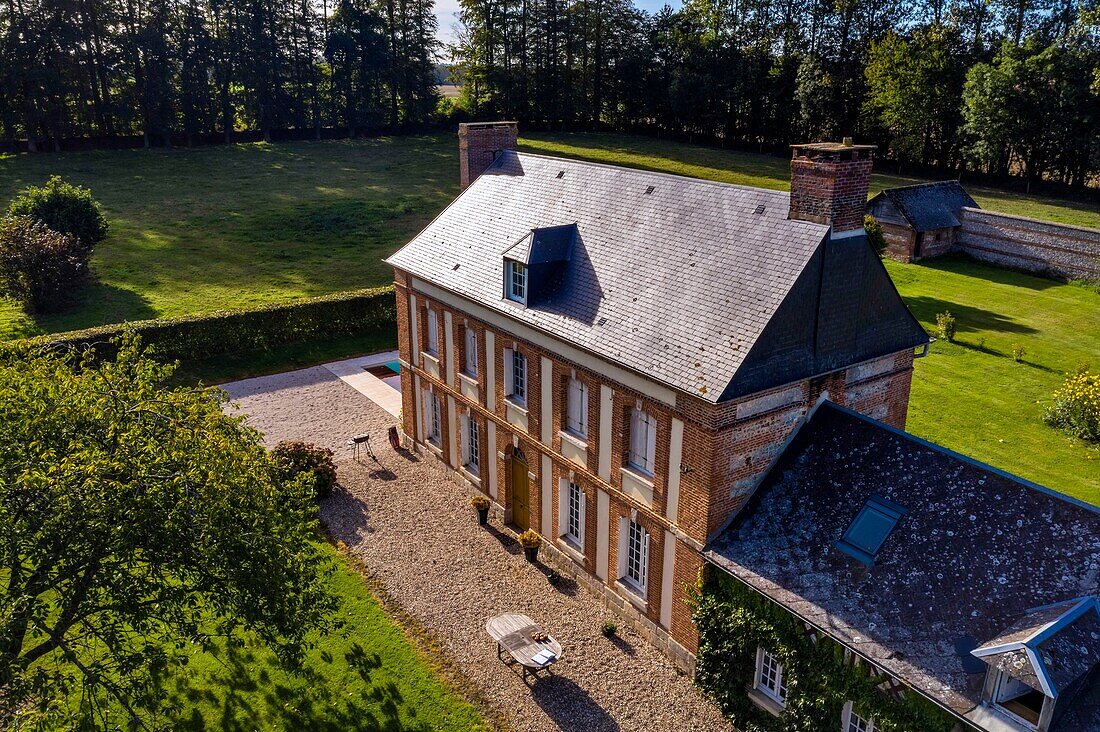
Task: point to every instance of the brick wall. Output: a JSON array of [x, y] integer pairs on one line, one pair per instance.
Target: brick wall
[[829, 184], [1072, 252], [726, 448], [478, 145]]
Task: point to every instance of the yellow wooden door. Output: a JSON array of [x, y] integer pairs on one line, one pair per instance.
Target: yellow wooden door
[[521, 515]]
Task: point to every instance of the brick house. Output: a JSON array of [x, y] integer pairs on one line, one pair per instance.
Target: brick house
[[616, 357], [920, 221]]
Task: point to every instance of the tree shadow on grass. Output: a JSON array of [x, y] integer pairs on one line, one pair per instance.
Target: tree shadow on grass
[[962, 265], [253, 690], [968, 319], [97, 303]]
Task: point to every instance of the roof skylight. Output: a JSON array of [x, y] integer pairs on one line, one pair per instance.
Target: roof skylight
[[870, 529]]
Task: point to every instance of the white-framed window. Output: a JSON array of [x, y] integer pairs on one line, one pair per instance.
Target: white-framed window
[[643, 441], [515, 375], [851, 721], [1020, 701], [515, 280], [769, 677], [471, 444], [573, 517], [576, 420], [433, 332], [432, 408], [470, 346], [634, 564]]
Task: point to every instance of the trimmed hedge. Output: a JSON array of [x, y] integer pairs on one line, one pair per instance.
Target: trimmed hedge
[[204, 335]]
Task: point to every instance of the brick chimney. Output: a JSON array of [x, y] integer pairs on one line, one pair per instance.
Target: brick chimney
[[478, 145], [829, 183]]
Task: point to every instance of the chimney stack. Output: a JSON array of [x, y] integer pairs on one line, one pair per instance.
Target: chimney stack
[[829, 183], [479, 143]]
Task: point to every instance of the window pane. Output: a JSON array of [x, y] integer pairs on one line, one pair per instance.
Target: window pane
[[473, 458], [574, 519], [519, 376]]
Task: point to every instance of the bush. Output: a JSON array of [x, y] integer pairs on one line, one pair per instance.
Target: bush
[[530, 539], [1018, 352], [945, 326], [38, 267], [232, 331], [1076, 407], [480, 503], [608, 628], [65, 208], [874, 234], [295, 458]]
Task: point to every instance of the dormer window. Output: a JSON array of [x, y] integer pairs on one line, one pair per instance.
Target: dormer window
[[1018, 700], [515, 281]]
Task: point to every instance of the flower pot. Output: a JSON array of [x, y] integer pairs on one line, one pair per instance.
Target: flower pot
[[531, 552], [482, 516]]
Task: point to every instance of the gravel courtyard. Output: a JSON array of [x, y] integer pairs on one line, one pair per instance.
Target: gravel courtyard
[[415, 532]]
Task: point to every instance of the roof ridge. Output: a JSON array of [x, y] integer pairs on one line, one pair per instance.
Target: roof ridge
[[658, 173], [973, 462], [928, 184]]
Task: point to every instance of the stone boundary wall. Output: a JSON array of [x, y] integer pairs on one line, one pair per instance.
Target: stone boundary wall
[[1067, 251]]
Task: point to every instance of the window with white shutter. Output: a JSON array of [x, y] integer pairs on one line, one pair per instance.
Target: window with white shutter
[[637, 557], [431, 418], [433, 332], [643, 441], [515, 280], [470, 346], [577, 408], [471, 434]]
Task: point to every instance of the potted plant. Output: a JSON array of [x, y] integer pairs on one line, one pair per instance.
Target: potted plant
[[530, 541], [481, 505]]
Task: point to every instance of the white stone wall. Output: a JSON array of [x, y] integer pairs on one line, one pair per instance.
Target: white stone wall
[[1029, 244]]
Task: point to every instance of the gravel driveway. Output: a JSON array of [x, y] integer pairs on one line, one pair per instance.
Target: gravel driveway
[[415, 533]]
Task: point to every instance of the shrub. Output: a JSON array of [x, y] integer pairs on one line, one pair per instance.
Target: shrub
[[945, 326], [65, 208], [1018, 352], [295, 458], [232, 331], [874, 234], [38, 267], [480, 502], [530, 539], [1076, 407], [608, 628]]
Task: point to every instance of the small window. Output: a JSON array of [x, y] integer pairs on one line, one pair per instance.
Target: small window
[[432, 409], [515, 281], [577, 408], [574, 523], [643, 441], [637, 556], [518, 386], [470, 347], [433, 332], [1018, 699], [769, 677], [870, 529], [473, 445], [852, 721]]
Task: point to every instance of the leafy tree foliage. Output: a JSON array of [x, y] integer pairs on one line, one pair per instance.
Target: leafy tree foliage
[[185, 67], [294, 458], [39, 267], [138, 519], [64, 208]]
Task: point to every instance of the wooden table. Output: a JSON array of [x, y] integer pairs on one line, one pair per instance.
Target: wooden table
[[513, 632]]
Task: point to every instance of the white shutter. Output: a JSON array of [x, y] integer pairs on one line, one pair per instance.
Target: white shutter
[[582, 416], [624, 544], [651, 442], [637, 438], [584, 503], [563, 506], [464, 432], [433, 332], [507, 372], [471, 351]]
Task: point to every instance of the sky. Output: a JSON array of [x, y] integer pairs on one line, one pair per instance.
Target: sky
[[446, 11]]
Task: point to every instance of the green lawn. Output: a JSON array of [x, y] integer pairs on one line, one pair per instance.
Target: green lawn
[[228, 226], [367, 676]]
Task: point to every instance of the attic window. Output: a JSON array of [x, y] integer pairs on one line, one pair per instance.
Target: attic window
[[759, 210], [515, 281], [561, 174], [870, 529], [649, 189]]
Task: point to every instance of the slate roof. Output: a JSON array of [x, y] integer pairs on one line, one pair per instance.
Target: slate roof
[[976, 550], [675, 278], [930, 206]]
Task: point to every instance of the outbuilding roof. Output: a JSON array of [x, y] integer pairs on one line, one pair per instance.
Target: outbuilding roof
[[973, 556], [705, 287], [929, 206]]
